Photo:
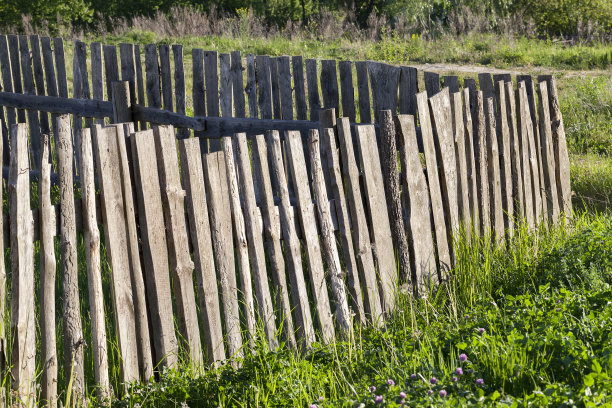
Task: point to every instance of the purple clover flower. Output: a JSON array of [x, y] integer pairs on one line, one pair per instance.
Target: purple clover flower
[[463, 357], [429, 392], [413, 376], [481, 330], [455, 379], [321, 398], [313, 406], [443, 393], [372, 388], [459, 371], [402, 394], [390, 382], [433, 380], [378, 399], [480, 381]]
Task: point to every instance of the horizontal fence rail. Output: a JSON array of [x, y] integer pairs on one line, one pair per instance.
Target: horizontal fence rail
[[282, 220]]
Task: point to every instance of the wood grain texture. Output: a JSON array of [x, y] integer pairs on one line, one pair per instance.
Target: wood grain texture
[[111, 69], [505, 155], [485, 80], [179, 86], [264, 86], [226, 97], [314, 101], [128, 68], [452, 83], [155, 249], [433, 181], [254, 238], [276, 104], [534, 173], [211, 78], [305, 211], [7, 86], [301, 109], [347, 90], [97, 77], [548, 156], [198, 92], [516, 163], [222, 240], [482, 177], [523, 137], [152, 71], [181, 265], [237, 84], [432, 83], [140, 83], [13, 48], [379, 219], [461, 148], [199, 228], [94, 270], [251, 85], [363, 89], [39, 81], [471, 161], [329, 85], [385, 82], [408, 88], [29, 88], [361, 234], [166, 76], [494, 174], [416, 204], [23, 353], [285, 89], [303, 320], [50, 79]]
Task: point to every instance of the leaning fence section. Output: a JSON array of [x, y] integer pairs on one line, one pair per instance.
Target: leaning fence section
[[279, 221]]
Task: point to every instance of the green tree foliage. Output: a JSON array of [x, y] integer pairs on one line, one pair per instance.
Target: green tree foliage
[[54, 13]]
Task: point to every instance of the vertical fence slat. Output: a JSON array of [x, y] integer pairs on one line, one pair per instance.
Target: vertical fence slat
[[29, 88], [222, 240], [179, 86], [518, 195], [199, 227], [251, 85], [432, 83], [408, 88], [128, 69], [389, 160], [363, 89], [240, 239], [347, 90], [480, 154], [254, 239], [505, 155], [94, 273], [211, 80], [7, 85], [379, 219], [264, 97], [452, 83], [108, 169], [305, 329], [80, 88], [198, 91], [314, 101], [271, 230], [225, 95], [152, 71], [332, 160], [296, 158], [361, 235], [50, 79], [97, 79], [471, 161], [416, 199], [111, 68], [276, 104], [441, 115], [433, 181], [463, 188], [495, 192], [155, 254], [39, 80], [145, 357], [23, 332], [71, 315], [301, 108], [140, 84], [486, 86], [522, 135], [548, 157], [284, 84], [342, 314], [181, 264], [237, 84], [385, 83], [329, 86], [166, 77], [13, 45]]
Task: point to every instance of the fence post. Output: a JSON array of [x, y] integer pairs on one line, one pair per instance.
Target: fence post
[[122, 104]]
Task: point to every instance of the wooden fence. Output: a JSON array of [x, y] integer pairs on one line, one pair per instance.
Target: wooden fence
[[293, 236]]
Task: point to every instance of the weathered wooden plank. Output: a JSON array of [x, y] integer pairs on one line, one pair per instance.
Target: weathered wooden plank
[[83, 107], [299, 87], [416, 199], [480, 155], [251, 85], [198, 92], [486, 86], [505, 156], [152, 72], [343, 317], [347, 90], [28, 88], [94, 272], [199, 227], [237, 84], [97, 79], [225, 93], [39, 80], [179, 86], [50, 80], [111, 68], [240, 239], [211, 78], [379, 219], [331, 159], [155, 253], [502, 77], [139, 80], [461, 148], [389, 159], [363, 89], [548, 156], [23, 332], [276, 104], [117, 249], [523, 138], [166, 77], [13, 46], [264, 85], [433, 181], [222, 240], [470, 84], [432, 83], [48, 340], [120, 92], [128, 69], [80, 90], [518, 195], [361, 235], [145, 356], [314, 101], [385, 83], [441, 115], [254, 239], [71, 314], [181, 264], [285, 89], [329, 85], [295, 156], [408, 88], [3, 291], [562, 164], [299, 294], [471, 161], [452, 83], [7, 86], [494, 173], [60, 67], [533, 155]]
